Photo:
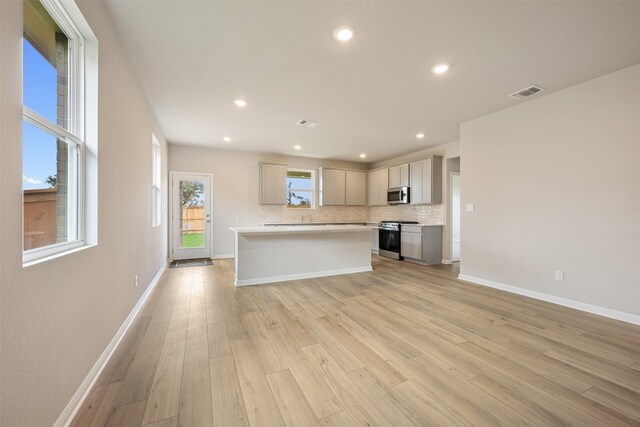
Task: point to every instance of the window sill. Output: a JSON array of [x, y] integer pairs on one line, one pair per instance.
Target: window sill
[[56, 255]]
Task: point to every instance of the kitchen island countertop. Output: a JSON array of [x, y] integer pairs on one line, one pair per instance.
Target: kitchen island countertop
[[297, 229]]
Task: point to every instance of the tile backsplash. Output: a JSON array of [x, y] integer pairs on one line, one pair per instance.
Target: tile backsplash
[[319, 214], [424, 214]]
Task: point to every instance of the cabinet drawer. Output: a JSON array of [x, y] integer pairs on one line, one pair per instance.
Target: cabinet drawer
[[411, 229]]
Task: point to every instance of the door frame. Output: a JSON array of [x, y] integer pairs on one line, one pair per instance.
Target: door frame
[[450, 214], [172, 209]]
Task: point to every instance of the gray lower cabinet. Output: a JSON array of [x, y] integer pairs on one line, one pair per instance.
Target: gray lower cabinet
[[421, 244]]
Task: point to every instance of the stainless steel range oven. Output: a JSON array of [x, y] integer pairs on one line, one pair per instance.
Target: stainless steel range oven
[[389, 238]]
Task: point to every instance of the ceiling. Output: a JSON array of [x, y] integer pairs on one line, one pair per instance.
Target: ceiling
[[372, 94]]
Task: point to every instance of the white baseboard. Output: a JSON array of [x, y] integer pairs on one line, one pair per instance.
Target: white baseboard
[[222, 256], [566, 302], [273, 279], [78, 398], [447, 261]]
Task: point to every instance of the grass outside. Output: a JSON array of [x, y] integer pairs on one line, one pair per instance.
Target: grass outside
[[193, 240]]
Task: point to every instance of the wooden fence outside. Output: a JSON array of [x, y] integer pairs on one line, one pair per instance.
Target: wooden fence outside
[[39, 218], [192, 219]]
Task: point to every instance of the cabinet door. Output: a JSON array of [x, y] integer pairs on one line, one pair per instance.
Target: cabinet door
[[406, 244], [416, 245], [372, 188], [273, 184], [356, 186], [427, 181], [333, 187], [416, 183], [404, 175], [383, 185], [394, 177], [411, 245], [377, 187]]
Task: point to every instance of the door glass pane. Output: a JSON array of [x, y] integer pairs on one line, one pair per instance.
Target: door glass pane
[[192, 220], [49, 188]]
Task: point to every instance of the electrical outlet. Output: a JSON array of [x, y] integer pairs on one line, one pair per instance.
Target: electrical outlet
[[238, 218], [559, 275], [135, 281], [470, 207]]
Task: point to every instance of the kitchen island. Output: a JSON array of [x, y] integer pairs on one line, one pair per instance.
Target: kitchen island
[[276, 254]]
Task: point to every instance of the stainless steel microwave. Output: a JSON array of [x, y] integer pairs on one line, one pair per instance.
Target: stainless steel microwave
[[398, 195]]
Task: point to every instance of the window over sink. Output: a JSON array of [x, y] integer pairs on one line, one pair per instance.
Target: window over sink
[[301, 189]]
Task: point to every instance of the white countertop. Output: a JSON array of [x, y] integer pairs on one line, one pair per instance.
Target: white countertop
[[428, 225], [298, 229]]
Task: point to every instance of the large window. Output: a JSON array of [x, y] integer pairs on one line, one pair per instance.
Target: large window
[[53, 138], [300, 189], [156, 187]]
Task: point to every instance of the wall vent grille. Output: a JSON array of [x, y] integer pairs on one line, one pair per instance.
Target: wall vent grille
[[307, 123], [526, 92]]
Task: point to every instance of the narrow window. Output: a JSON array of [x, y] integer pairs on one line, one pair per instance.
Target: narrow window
[[300, 189], [156, 187], [52, 132]]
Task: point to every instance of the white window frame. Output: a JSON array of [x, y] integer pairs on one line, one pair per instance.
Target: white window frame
[[74, 136], [156, 185], [312, 190]]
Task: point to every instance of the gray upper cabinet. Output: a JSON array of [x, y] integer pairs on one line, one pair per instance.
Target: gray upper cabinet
[[273, 184], [377, 184], [426, 181], [399, 176], [332, 187], [356, 188]]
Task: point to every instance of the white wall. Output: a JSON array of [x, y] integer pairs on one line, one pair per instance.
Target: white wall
[[556, 186], [236, 193], [57, 317]]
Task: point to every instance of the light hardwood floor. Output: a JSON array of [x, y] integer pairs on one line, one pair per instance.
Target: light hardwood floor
[[402, 345]]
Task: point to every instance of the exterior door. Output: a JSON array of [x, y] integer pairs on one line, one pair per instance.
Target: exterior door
[[191, 216]]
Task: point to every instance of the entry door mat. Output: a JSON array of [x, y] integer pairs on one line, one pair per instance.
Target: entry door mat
[[184, 263]]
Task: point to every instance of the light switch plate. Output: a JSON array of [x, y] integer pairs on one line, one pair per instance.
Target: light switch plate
[[469, 207]]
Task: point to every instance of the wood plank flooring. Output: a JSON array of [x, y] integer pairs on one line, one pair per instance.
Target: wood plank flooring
[[402, 345]]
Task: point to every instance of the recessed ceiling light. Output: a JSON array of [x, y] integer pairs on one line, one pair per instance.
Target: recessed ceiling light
[[362, 156], [297, 147], [420, 135], [226, 138], [240, 102], [344, 33], [440, 68]]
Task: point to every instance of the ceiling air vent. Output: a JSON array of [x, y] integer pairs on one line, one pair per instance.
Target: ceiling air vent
[[307, 123], [524, 93]]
